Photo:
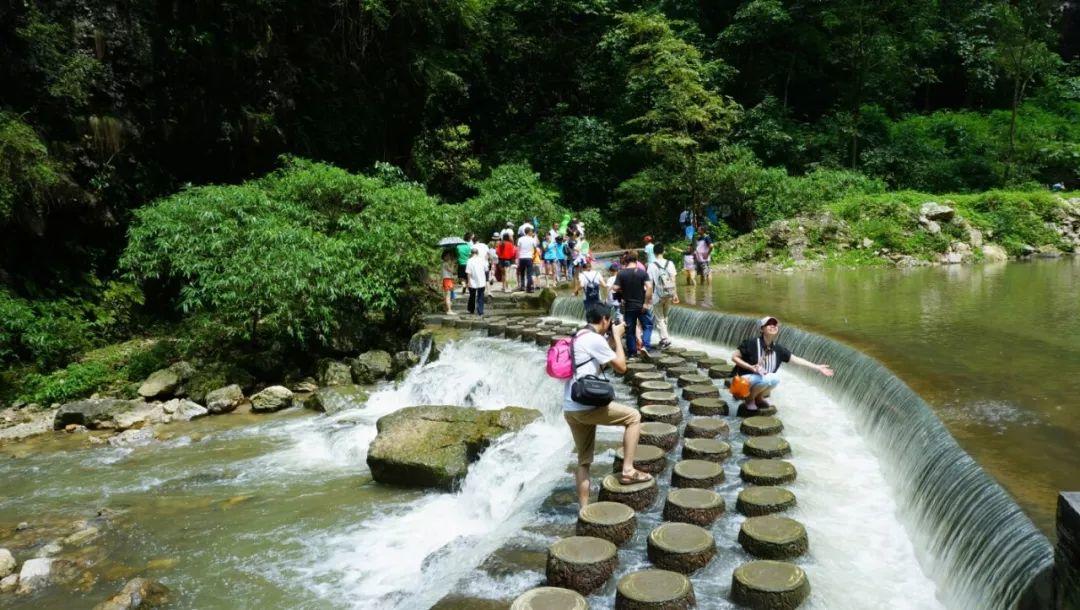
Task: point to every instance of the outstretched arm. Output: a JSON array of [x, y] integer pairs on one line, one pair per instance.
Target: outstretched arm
[[824, 369]]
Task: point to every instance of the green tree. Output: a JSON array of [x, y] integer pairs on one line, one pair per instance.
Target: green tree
[[445, 160], [512, 192]]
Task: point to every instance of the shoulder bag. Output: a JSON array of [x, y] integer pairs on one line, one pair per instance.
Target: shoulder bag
[[591, 390]]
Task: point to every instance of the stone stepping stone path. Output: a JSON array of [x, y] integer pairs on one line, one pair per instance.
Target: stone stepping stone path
[[668, 362], [696, 506], [773, 537], [668, 414], [697, 473], [581, 563], [709, 449], [659, 434], [775, 585], [708, 407], [686, 369], [767, 472], [764, 500], [708, 363], [647, 458], [611, 521], [692, 379], [543, 338], [766, 447], [680, 547], [706, 427], [743, 411], [550, 598], [660, 398], [637, 496], [761, 426], [702, 390], [641, 377], [654, 590], [722, 371], [693, 355], [512, 332], [675, 350], [634, 367], [655, 386]]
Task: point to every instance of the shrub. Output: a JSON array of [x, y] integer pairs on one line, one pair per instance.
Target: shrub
[[512, 192]]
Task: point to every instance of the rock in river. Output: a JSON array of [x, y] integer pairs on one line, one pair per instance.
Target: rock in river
[[137, 593], [332, 399], [432, 446], [35, 574], [273, 398], [332, 372], [224, 400], [7, 563], [372, 366], [94, 413]]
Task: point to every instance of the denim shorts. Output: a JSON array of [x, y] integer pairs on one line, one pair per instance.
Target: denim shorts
[[757, 380]]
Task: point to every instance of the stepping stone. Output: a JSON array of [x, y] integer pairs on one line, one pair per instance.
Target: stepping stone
[[708, 407], [761, 425], [674, 350], [659, 398], [637, 496], [699, 474], [496, 329], [757, 501], [703, 390], [634, 367], [692, 379], [667, 362], [555, 339], [528, 335], [708, 363], [697, 506], [641, 377], [543, 338], [705, 427], [659, 434], [766, 447], [680, 547], [709, 449], [654, 590], [655, 386], [744, 411], [775, 585], [611, 521], [512, 332], [767, 472], [549, 598], [647, 458], [686, 369], [666, 414], [450, 321], [720, 372], [694, 355], [581, 563], [773, 537]]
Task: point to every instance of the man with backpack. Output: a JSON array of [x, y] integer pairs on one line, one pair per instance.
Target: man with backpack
[[662, 274], [591, 283], [637, 291]]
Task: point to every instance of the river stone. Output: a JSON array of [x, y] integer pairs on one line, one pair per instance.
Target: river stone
[[667, 414], [709, 406], [745, 411], [693, 355], [766, 447], [331, 372], [659, 398], [160, 383], [700, 474], [543, 338], [611, 521], [132, 438], [635, 367], [692, 379], [94, 413], [647, 458], [182, 409], [773, 537], [686, 369], [637, 496], [659, 434], [692, 505], [224, 400], [767, 472], [655, 386], [654, 590], [35, 574], [138, 593], [709, 449], [335, 399], [372, 366], [641, 377], [9, 583], [273, 398], [668, 362], [432, 446], [422, 342], [721, 371], [680, 547], [7, 562], [764, 500], [550, 598], [404, 360], [775, 585], [761, 426], [705, 427], [581, 563], [704, 390]]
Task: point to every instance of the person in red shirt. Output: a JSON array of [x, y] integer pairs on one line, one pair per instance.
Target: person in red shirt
[[507, 253]]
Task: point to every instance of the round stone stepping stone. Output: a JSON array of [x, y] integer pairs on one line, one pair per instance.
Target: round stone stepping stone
[[496, 329], [667, 414], [708, 363], [668, 362], [720, 372], [528, 335], [659, 434], [637, 496], [659, 398], [764, 500], [611, 521], [744, 411], [773, 537], [701, 390], [634, 367], [654, 590], [709, 406], [655, 386], [512, 331], [581, 563], [674, 350], [647, 458], [450, 321], [693, 355], [550, 598], [775, 585], [555, 339], [543, 338], [641, 377], [761, 425], [709, 449], [686, 369], [699, 474], [697, 506], [680, 547], [705, 427], [692, 379], [767, 472], [766, 447]]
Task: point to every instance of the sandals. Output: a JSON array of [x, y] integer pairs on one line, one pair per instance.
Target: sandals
[[636, 477]]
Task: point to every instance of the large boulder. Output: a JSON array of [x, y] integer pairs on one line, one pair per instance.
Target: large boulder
[[273, 398], [141, 415], [138, 593], [35, 574], [337, 398], [94, 413], [423, 342], [332, 372], [224, 400], [372, 366], [7, 562], [403, 361], [432, 446], [181, 409], [160, 384], [933, 210], [993, 253]]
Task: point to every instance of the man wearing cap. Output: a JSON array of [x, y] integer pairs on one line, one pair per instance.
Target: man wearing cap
[[758, 358]]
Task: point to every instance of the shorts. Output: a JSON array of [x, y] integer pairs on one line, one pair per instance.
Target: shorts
[[583, 426], [461, 272], [702, 268], [448, 283], [769, 381], [505, 263]]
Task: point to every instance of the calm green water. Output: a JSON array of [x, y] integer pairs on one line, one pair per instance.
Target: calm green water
[[995, 349]]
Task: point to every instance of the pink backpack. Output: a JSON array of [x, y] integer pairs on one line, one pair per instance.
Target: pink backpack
[[560, 358]]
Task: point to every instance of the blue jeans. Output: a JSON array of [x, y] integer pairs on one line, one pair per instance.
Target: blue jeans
[[525, 278], [631, 319], [760, 381], [476, 301]]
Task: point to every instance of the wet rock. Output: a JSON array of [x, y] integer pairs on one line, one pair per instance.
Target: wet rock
[[372, 366], [936, 211], [31, 423], [160, 383], [952, 258], [184, 410], [993, 253], [137, 593], [95, 413], [424, 342], [332, 372], [73, 428], [133, 438], [273, 398], [7, 562], [53, 548], [139, 416], [307, 385], [432, 446], [334, 399], [405, 360], [224, 400], [35, 574], [9, 583], [82, 536]]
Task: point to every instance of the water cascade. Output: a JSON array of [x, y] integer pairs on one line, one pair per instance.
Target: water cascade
[[969, 535]]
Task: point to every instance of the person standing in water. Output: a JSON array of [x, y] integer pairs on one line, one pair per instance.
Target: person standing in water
[[758, 358]]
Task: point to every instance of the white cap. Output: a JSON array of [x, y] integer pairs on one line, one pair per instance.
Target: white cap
[[764, 321]]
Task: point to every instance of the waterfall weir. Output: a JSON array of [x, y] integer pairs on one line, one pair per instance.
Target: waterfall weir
[[969, 534]]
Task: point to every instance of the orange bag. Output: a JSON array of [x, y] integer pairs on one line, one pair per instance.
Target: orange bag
[[740, 387]]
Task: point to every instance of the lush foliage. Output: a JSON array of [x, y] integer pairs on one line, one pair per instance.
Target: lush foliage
[[511, 193]]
